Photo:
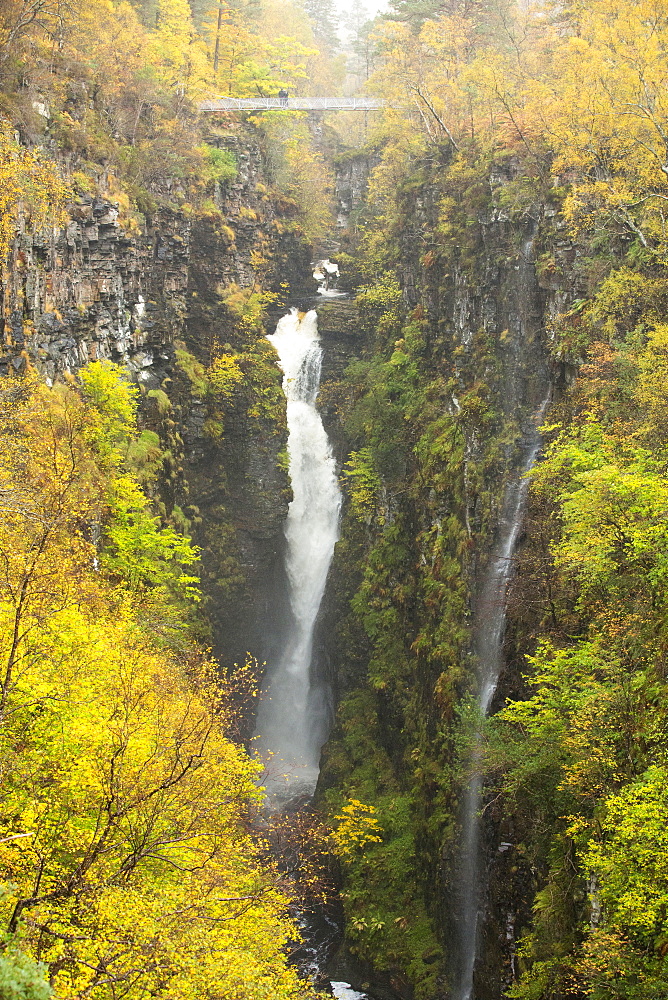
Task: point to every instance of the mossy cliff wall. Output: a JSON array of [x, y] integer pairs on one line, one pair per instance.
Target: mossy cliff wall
[[454, 306], [163, 302], [429, 381]]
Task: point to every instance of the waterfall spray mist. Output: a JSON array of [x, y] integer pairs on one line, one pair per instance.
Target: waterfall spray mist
[[289, 727]]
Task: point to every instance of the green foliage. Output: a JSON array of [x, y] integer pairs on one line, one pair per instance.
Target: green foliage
[[136, 548], [143, 457], [629, 859], [114, 397], [227, 579], [363, 484], [379, 416], [142, 553], [385, 589], [379, 304], [612, 519], [162, 401], [193, 369], [21, 978], [557, 728], [220, 165]]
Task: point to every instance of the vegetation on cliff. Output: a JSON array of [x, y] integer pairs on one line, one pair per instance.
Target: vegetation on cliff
[[409, 406], [542, 129], [584, 754], [525, 155], [111, 90], [125, 849]]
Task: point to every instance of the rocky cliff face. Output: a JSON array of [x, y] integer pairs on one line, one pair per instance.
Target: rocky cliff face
[[442, 405], [352, 178], [154, 301], [94, 291]]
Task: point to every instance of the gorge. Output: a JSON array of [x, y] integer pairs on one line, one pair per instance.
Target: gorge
[[389, 556]]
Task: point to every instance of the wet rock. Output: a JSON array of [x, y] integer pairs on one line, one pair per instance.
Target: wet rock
[[98, 291]]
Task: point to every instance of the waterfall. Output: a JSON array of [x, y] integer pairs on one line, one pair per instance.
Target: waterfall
[[292, 720], [488, 629]]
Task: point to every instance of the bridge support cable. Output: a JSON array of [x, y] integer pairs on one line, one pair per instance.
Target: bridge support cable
[[293, 104]]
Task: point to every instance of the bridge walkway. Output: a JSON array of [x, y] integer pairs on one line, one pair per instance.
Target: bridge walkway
[[293, 104]]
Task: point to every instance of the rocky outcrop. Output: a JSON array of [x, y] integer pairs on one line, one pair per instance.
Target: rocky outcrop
[[476, 313], [352, 178], [102, 288], [95, 291], [342, 339]]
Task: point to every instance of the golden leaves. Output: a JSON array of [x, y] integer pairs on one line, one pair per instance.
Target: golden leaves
[[354, 828], [31, 190], [126, 806]]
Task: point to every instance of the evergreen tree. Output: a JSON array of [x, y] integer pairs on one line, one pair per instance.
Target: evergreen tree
[[325, 22]]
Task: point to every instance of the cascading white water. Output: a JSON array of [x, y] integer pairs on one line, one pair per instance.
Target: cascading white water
[[488, 629], [289, 726]]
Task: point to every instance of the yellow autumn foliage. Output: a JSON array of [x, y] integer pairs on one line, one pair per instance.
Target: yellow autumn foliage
[[126, 853], [31, 190], [578, 93], [354, 827], [225, 375]]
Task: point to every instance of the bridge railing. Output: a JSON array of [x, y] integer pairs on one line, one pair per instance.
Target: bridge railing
[[293, 103]]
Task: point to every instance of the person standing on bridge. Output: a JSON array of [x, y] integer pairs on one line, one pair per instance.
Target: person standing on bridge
[[283, 97]]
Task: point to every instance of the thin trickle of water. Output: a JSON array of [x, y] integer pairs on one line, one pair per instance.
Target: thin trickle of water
[[488, 629], [290, 726]]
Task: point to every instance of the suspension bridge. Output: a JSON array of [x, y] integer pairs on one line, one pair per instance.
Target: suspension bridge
[[293, 104]]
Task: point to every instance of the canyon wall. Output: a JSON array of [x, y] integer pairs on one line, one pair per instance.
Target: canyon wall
[[156, 301], [451, 366], [430, 381]]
